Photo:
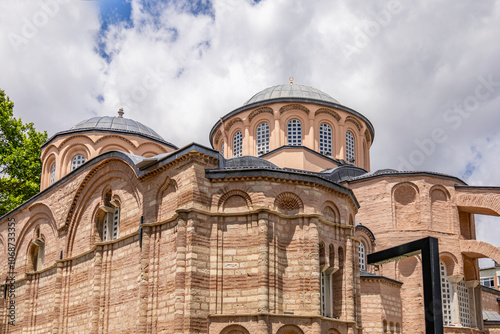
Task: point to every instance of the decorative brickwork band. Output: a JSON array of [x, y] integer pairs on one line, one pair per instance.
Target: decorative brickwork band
[[329, 112], [260, 111], [353, 121], [294, 106]]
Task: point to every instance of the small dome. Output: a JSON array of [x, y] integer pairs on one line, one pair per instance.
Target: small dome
[[119, 124], [290, 91]]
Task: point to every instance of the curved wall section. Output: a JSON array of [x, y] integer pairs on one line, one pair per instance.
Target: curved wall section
[[57, 157], [321, 131]]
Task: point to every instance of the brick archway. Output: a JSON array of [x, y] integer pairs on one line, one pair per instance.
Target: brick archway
[[480, 249], [235, 329], [290, 329], [484, 201]]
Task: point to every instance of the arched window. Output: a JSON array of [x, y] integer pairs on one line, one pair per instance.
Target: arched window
[[77, 161], [262, 138], [445, 295], [111, 225], [108, 223], [53, 173], [325, 139], [294, 132], [362, 256], [37, 252], [237, 141], [349, 140]]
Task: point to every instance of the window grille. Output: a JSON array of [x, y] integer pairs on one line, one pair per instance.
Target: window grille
[[445, 295], [362, 262], [237, 143], [116, 223], [350, 154], [463, 303], [294, 132], [111, 225], [263, 138], [323, 295], [77, 161], [222, 149], [105, 228], [53, 173], [325, 139]]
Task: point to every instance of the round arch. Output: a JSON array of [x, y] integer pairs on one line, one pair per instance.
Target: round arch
[[326, 118], [101, 175], [298, 115], [46, 169], [235, 329], [450, 262], [290, 329], [252, 141], [68, 154], [230, 145], [223, 200], [333, 331], [349, 127]]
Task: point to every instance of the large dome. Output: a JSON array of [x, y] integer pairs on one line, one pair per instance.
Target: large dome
[[290, 91]]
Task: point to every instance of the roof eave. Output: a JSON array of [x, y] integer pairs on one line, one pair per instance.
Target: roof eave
[[124, 132]]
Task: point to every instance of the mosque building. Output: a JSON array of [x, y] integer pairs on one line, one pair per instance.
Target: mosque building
[[266, 232]]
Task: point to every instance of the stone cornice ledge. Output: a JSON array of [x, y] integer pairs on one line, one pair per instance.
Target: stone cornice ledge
[[274, 315], [278, 175]]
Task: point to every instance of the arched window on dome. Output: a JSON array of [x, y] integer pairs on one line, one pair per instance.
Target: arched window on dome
[[262, 138], [350, 153], [362, 256], [237, 144], [325, 139], [53, 173], [294, 132], [77, 161]]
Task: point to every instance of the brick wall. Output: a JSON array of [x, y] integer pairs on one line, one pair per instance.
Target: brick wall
[[202, 259], [381, 301]]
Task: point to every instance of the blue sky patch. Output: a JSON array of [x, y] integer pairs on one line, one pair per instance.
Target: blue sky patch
[[114, 12]]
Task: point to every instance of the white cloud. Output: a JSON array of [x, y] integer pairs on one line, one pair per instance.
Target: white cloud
[[51, 71], [403, 66]]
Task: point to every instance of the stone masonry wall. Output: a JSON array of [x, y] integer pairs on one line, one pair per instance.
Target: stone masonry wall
[[205, 249], [381, 301]]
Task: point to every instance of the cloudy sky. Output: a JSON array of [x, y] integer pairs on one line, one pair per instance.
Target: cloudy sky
[[426, 74]]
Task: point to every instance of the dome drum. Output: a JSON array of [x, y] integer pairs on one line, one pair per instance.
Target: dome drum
[[295, 115]]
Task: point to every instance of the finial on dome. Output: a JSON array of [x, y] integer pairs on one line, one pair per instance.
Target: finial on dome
[[291, 80], [120, 112]]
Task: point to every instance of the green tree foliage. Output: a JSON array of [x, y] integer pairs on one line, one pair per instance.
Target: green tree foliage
[[20, 165]]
